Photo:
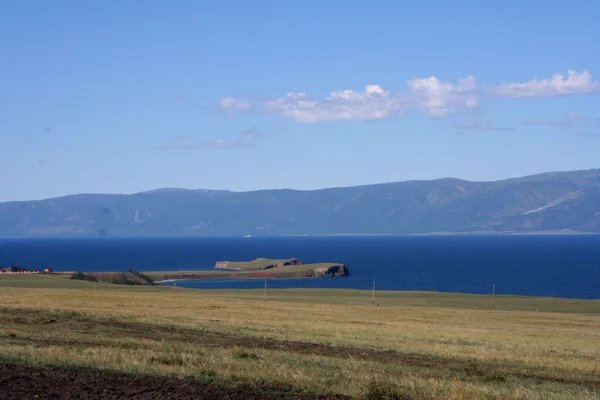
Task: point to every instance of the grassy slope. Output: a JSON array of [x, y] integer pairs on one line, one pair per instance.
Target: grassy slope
[[436, 345], [257, 264], [58, 281]]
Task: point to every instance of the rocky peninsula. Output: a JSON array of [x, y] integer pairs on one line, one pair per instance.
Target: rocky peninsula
[[260, 268]]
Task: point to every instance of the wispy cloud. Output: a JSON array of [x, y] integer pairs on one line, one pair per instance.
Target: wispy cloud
[[481, 126], [232, 105], [251, 135], [430, 95], [548, 122], [558, 85], [245, 139], [575, 116], [567, 121]]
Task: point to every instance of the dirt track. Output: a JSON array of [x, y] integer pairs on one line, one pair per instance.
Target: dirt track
[[21, 382]]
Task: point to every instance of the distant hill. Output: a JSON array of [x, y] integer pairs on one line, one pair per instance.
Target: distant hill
[[557, 201]]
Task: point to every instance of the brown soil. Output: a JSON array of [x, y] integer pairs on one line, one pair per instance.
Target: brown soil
[[23, 382]]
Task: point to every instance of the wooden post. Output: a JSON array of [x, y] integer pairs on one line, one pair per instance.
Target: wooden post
[[493, 296], [373, 292], [265, 293]]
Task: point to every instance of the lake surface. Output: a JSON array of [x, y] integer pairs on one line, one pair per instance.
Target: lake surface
[[561, 266]]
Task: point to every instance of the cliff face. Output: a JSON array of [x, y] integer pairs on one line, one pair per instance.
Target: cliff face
[[332, 271], [227, 265]]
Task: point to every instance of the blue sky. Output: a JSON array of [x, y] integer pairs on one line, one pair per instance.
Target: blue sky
[[125, 96]]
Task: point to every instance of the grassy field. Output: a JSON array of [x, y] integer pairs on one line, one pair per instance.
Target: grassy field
[[413, 344]]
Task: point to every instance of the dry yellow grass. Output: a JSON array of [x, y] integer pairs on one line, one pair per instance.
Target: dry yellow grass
[[411, 342]]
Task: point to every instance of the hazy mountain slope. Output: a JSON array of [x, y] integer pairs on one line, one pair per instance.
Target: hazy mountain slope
[[551, 201]]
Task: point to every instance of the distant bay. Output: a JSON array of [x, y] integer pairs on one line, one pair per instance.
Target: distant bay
[[549, 265]]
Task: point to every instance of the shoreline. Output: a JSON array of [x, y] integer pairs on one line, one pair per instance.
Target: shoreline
[[250, 278], [47, 283], [228, 277]]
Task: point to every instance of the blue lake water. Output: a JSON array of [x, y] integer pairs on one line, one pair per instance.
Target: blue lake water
[[562, 266]]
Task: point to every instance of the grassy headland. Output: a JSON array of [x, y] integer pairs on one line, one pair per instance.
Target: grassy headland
[[260, 268], [414, 344]]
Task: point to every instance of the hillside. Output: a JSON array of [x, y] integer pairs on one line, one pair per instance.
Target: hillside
[[566, 201]]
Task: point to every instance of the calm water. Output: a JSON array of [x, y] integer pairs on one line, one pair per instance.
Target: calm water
[[563, 266]]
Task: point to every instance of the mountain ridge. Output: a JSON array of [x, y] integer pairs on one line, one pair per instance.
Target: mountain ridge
[[566, 201], [176, 189]]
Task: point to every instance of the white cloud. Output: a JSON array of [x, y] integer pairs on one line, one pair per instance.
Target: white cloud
[[431, 96], [233, 105], [344, 105], [558, 85], [434, 97], [440, 99]]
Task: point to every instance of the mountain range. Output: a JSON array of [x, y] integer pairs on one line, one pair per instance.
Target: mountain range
[[549, 202]]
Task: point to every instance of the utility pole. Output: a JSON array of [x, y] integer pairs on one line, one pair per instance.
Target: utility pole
[[373, 292], [493, 295], [265, 293]]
